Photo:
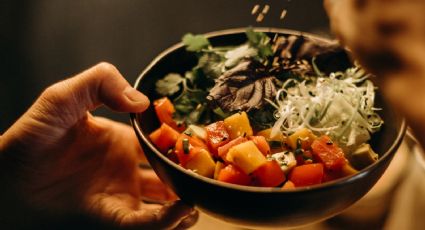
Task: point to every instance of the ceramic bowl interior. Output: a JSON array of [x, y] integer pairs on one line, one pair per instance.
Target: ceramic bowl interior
[[255, 206]]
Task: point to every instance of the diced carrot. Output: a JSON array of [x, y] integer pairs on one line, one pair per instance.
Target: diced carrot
[[261, 144], [154, 136], [308, 174], [231, 174], [185, 153], [223, 150], [164, 137], [164, 111], [217, 136], [269, 175], [327, 152]]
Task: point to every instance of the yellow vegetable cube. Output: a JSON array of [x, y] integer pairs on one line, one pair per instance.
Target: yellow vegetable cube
[[267, 134], [246, 156], [202, 163], [238, 125], [347, 170], [304, 136], [218, 167]]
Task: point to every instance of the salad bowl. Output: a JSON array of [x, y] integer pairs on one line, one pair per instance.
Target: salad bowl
[[256, 206]]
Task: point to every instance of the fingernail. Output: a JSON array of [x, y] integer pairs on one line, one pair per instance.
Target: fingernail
[[134, 95]]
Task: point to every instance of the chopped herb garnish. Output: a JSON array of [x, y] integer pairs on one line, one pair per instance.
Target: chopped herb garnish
[[299, 151], [299, 143], [186, 148]]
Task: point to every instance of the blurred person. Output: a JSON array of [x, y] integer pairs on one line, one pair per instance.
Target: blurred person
[[388, 39], [60, 165]]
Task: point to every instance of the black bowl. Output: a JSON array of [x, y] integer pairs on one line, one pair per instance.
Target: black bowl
[[255, 206]]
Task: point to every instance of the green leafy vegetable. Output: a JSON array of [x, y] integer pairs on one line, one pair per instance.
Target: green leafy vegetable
[[169, 85], [261, 41], [189, 100], [211, 64], [195, 43]]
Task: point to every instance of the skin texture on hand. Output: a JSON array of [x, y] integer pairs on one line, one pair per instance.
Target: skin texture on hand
[[58, 159], [388, 39]]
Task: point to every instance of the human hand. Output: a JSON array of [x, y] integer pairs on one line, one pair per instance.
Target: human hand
[[59, 160], [388, 40]]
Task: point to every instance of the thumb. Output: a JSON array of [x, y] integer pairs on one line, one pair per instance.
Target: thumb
[[101, 84], [64, 104]]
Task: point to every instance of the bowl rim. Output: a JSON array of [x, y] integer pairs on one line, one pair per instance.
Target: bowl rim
[[333, 183]]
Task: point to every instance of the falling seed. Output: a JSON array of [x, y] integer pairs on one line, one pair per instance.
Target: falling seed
[[255, 9], [260, 17], [275, 37], [265, 9], [283, 14]]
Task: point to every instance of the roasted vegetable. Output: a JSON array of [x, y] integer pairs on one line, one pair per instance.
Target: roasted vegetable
[[306, 175], [165, 111], [261, 144], [327, 152], [217, 136], [231, 174], [201, 163], [238, 125], [246, 156], [267, 133], [164, 137], [268, 175], [301, 139], [363, 156], [185, 148], [223, 150]]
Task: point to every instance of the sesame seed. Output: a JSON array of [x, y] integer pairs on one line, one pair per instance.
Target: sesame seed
[[283, 14], [266, 9], [255, 9], [260, 17]]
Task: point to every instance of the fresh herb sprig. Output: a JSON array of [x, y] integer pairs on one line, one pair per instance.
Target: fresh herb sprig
[[190, 90]]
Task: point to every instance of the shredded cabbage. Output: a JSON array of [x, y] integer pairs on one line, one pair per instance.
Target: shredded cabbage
[[340, 105]]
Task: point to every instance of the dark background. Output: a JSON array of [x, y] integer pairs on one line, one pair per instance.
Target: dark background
[[44, 41]]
